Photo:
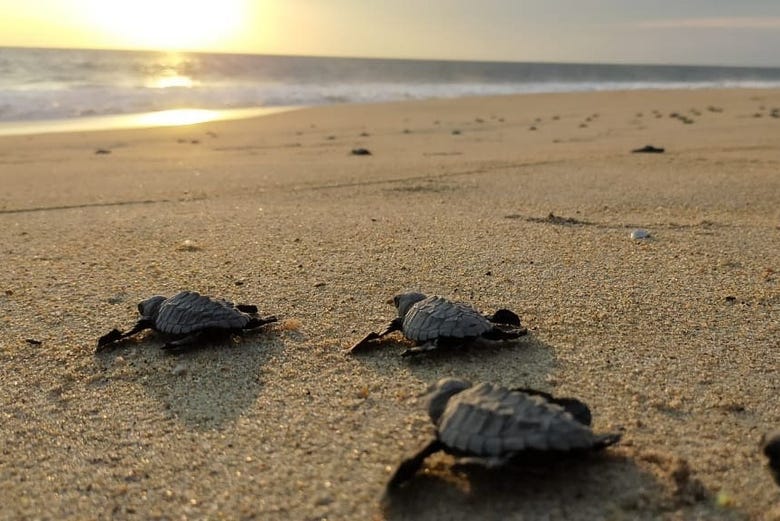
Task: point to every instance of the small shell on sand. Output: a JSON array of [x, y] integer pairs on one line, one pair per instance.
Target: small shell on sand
[[188, 245], [640, 233]]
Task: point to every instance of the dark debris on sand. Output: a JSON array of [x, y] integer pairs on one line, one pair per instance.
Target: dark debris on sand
[[648, 149], [555, 219]]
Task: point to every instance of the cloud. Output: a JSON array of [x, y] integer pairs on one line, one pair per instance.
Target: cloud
[[771, 22]]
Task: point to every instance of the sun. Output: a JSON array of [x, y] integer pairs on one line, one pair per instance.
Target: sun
[[168, 24]]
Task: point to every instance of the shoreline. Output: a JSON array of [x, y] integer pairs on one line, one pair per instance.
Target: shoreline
[[192, 115], [672, 341]]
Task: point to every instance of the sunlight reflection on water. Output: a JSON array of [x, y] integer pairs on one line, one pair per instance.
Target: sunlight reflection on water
[[166, 82]]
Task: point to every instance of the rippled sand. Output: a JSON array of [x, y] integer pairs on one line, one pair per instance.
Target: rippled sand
[[522, 202]]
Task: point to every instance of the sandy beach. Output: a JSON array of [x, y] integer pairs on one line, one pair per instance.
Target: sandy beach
[[525, 202]]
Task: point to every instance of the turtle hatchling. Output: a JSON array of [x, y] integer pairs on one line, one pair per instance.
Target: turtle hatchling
[[770, 445], [433, 322], [188, 315], [491, 425]]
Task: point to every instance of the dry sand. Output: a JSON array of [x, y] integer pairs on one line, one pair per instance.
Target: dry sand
[[673, 341]]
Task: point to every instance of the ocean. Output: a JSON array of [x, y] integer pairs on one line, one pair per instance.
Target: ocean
[[58, 84]]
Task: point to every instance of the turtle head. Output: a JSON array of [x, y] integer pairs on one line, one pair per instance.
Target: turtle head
[[404, 301], [148, 308], [440, 393]]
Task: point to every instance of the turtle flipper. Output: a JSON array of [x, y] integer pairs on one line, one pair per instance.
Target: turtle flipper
[[431, 345], [395, 325], [362, 344], [109, 338], [506, 326], [605, 440], [504, 316], [247, 308], [115, 335], [505, 332], [257, 322], [409, 467], [184, 343], [577, 408], [490, 462]]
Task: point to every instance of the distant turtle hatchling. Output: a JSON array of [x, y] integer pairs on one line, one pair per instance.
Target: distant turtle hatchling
[[770, 445], [188, 315], [490, 425], [434, 322]]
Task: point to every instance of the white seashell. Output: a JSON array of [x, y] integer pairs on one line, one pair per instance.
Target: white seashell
[[640, 233]]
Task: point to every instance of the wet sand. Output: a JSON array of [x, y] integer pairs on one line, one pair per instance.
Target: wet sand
[[673, 341]]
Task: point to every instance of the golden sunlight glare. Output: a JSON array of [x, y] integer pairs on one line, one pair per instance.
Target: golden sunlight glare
[[168, 24], [176, 117]]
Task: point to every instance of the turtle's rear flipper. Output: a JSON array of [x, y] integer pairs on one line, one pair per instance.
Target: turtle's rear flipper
[[260, 322], [605, 440], [409, 467], [505, 332], [184, 343], [247, 308], [491, 462], [504, 316], [577, 408], [507, 326], [432, 345]]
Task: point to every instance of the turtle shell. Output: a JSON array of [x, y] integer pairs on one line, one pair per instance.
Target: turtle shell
[[437, 317], [189, 312], [489, 420]]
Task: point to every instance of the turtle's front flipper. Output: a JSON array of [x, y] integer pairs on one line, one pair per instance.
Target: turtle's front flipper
[[115, 335], [109, 338], [395, 325], [409, 467], [359, 346]]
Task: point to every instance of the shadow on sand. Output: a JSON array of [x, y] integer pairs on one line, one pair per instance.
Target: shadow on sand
[[524, 362], [603, 485], [204, 387]]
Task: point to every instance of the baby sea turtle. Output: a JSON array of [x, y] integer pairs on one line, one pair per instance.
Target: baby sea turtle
[[434, 322], [491, 425], [770, 446], [188, 315]]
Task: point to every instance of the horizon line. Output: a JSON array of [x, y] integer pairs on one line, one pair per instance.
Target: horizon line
[[387, 58]]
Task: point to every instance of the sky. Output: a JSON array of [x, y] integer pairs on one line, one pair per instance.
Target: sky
[[705, 32]]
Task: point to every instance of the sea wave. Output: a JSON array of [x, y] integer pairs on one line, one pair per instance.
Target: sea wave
[[41, 84], [36, 104]]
